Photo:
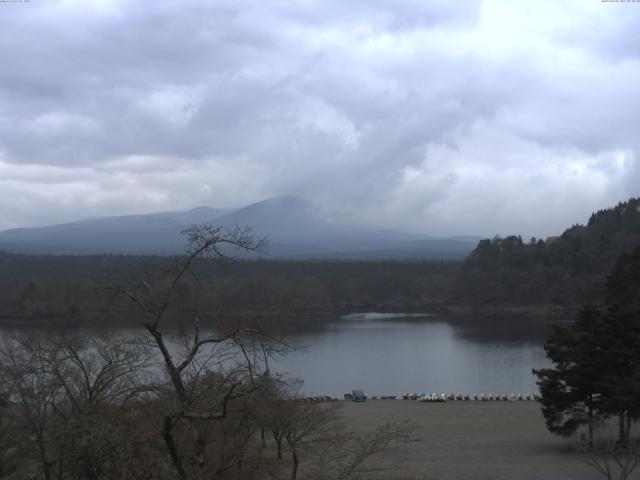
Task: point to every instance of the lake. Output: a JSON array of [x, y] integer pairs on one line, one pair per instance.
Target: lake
[[389, 354], [395, 353]]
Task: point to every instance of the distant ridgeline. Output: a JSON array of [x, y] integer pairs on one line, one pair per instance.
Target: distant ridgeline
[[565, 270]]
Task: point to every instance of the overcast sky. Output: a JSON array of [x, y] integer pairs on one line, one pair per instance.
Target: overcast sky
[[444, 117]]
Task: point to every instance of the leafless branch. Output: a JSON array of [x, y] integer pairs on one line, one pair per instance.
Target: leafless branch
[[611, 459]]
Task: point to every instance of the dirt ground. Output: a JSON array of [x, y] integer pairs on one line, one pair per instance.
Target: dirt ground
[[472, 440]]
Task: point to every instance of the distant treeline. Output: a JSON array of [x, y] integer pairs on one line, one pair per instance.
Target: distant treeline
[[54, 286], [501, 272]]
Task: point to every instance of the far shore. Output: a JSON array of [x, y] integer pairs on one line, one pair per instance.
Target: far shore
[[314, 319], [464, 440]]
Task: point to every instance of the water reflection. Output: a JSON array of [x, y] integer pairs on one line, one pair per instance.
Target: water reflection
[[391, 353], [432, 354]]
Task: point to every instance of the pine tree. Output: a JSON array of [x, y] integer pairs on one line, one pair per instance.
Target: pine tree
[[622, 335], [620, 371], [571, 392], [623, 284], [597, 360]]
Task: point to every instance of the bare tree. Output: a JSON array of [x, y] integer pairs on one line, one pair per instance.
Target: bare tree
[[305, 423], [210, 368], [66, 403], [343, 455], [612, 459], [7, 446], [96, 371], [273, 411], [33, 395]]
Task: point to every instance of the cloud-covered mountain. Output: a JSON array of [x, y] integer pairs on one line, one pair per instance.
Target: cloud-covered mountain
[[295, 228], [438, 116], [189, 217]]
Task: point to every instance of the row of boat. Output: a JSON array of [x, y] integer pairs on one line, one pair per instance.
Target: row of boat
[[445, 397], [318, 399]]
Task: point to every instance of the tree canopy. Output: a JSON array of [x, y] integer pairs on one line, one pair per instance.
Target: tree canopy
[[596, 371], [569, 269]]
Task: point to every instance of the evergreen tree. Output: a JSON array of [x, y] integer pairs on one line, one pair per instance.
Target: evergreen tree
[[621, 335], [623, 284], [571, 391], [597, 360], [619, 356]]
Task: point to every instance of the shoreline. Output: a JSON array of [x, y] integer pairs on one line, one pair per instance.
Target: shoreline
[[318, 318]]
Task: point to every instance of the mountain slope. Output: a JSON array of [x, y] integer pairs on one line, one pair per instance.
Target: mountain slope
[[193, 216], [294, 227], [156, 233]]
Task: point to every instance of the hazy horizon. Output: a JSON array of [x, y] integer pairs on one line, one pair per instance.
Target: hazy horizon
[[225, 211]]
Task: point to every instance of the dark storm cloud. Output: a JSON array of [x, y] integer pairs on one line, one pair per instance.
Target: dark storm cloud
[[444, 117]]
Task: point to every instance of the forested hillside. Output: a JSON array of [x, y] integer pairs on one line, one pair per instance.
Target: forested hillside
[[565, 270]]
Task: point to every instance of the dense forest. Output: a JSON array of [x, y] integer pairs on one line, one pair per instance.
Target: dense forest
[[565, 270], [33, 288], [562, 271]]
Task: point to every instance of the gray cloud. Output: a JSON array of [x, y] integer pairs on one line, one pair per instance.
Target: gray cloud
[[441, 117]]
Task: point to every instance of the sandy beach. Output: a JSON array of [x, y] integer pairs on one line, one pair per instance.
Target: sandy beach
[[472, 440]]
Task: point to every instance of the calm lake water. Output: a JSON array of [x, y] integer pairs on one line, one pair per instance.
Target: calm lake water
[[388, 354], [391, 354]]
